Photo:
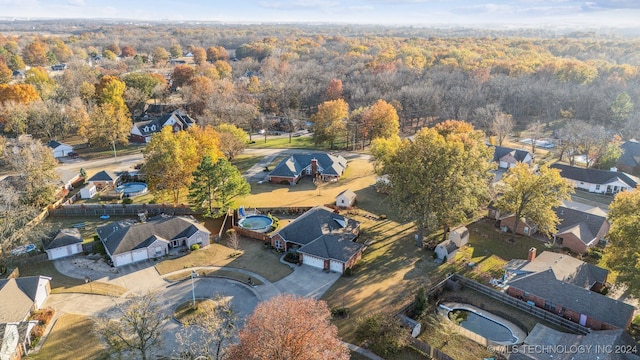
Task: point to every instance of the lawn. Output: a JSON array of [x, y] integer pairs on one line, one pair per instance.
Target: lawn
[[54, 223], [71, 338], [244, 162], [91, 153], [282, 142], [253, 257]]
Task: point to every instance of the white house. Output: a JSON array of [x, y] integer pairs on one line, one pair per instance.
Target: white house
[[59, 149], [88, 191], [67, 242], [142, 131], [508, 157], [598, 181], [127, 242], [20, 296], [346, 199]]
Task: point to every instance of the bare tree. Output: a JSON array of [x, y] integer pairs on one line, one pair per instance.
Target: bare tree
[[210, 330], [501, 126], [535, 133], [139, 328]]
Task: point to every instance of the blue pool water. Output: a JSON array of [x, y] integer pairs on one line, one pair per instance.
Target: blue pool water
[[132, 188], [257, 223]]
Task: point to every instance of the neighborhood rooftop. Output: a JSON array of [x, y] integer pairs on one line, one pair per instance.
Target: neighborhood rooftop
[[339, 247], [545, 285], [500, 151], [64, 237], [293, 165], [104, 175], [583, 224], [17, 297], [595, 176], [316, 222]]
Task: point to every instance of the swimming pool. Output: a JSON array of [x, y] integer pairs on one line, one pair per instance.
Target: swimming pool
[[132, 189], [257, 223], [483, 323]]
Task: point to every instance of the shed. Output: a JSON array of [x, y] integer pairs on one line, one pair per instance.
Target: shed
[[411, 324], [59, 149], [446, 249], [460, 236], [88, 191], [67, 242], [346, 199]]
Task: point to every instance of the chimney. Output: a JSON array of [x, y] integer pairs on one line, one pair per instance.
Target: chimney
[[532, 254], [314, 166]]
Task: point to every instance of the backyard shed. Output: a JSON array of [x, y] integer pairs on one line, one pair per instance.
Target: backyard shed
[[88, 191], [446, 249], [460, 236], [346, 199], [67, 242]]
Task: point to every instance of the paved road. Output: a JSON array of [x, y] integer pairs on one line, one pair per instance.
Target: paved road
[[120, 163]]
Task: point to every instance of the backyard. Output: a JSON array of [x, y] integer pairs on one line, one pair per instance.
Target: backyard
[[72, 337]]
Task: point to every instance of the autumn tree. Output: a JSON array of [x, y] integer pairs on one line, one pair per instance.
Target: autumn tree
[[622, 254], [216, 183], [18, 93], [441, 176], [215, 53], [35, 53], [329, 121], [379, 121], [210, 330], [182, 75], [138, 328], [383, 333], [5, 72], [199, 55], [533, 196], [79, 116], [40, 80], [128, 51], [159, 56], [114, 48], [175, 51], [110, 118], [233, 140], [208, 140], [170, 160], [291, 328], [334, 90]]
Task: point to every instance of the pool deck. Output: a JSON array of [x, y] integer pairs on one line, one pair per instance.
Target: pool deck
[[515, 330]]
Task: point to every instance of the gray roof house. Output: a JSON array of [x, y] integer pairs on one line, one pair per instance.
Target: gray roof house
[[597, 181], [292, 169], [60, 149], [127, 242], [15, 339], [19, 296], [602, 345], [141, 131], [508, 157], [103, 179], [579, 230], [566, 286], [322, 238], [629, 161], [67, 242]]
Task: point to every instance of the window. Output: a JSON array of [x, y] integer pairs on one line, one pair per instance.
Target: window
[[278, 244], [597, 187], [146, 129], [153, 128]]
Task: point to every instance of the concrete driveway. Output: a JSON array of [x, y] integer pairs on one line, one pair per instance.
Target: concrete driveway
[[307, 281]]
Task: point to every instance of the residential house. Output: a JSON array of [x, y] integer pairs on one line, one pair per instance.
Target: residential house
[[67, 242], [579, 230], [127, 242], [524, 226], [508, 157], [629, 161], [15, 339], [597, 345], [88, 191], [142, 131], [20, 296], [103, 179], [68, 178], [59, 149], [346, 199], [448, 249], [567, 287], [326, 166], [322, 239], [598, 181]]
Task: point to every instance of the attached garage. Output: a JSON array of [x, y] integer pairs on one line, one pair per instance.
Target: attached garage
[[337, 266], [139, 255], [313, 261]]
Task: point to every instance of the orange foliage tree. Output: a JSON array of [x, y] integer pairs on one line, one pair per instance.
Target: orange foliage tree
[[289, 327]]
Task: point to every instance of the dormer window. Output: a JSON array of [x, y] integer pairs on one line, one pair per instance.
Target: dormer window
[[146, 129], [153, 128]]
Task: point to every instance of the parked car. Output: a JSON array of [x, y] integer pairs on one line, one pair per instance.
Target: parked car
[[73, 155]]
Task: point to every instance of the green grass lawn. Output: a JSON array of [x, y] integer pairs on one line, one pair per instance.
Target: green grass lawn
[[245, 162], [71, 338], [301, 142], [253, 257], [91, 153]]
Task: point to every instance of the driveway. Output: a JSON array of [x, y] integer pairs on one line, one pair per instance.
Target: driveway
[[307, 281]]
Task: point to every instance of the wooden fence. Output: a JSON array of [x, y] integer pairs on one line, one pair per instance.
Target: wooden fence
[[432, 352], [121, 209]]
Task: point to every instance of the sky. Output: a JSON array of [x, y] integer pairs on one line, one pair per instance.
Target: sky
[[561, 13]]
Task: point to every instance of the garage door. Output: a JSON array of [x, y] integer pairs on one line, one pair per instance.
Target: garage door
[[57, 253], [313, 261], [336, 266], [139, 255]]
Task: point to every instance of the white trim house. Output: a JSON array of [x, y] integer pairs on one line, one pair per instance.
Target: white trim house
[[597, 181]]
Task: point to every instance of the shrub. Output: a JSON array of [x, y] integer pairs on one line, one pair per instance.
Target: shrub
[[291, 257], [195, 247], [383, 333], [419, 303], [340, 312], [127, 201], [43, 316], [347, 272]]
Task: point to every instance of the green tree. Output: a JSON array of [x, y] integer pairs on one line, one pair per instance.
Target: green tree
[[216, 184], [440, 176], [533, 196], [622, 254], [621, 108], [176, 51], [40, 80], [170, 160], [159, 56], [145, 82], [383, 332], [233, 140], [329, 121]]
